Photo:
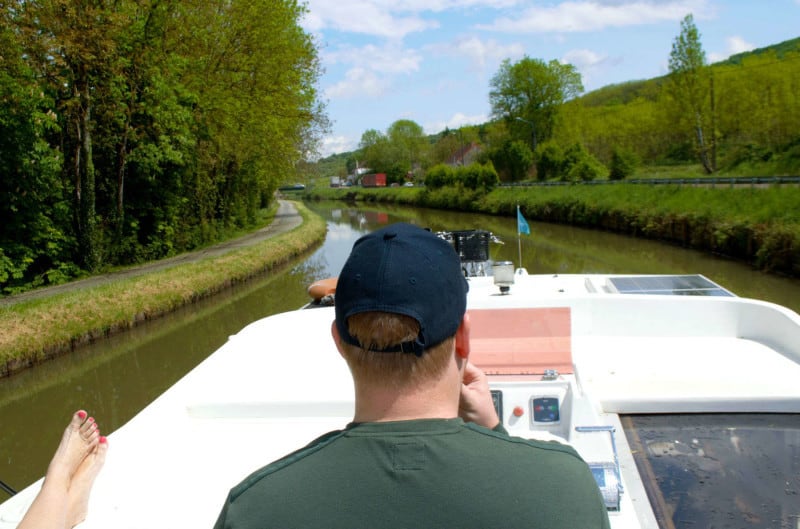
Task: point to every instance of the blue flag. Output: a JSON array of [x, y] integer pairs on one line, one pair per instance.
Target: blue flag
[[522, 224]]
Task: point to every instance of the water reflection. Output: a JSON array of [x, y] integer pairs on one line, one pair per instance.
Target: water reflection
[[118, 377]]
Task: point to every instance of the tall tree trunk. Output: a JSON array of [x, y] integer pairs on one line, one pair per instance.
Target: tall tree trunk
[[122, 153], [713, 124], [85, 176]]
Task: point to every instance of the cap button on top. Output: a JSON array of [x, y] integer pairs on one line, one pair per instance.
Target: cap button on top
[[389, 235]]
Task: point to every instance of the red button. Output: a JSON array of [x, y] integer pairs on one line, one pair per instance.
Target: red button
[[518, 411]]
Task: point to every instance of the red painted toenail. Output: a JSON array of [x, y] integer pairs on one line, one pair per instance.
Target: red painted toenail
[[103, 439], [82, 414]]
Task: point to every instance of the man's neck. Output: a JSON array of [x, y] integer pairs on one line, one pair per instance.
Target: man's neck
[[382, 404]]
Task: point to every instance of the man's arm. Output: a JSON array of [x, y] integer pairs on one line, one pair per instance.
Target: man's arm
[[476, 403]]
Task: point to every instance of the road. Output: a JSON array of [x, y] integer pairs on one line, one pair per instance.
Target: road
[[287, 218]]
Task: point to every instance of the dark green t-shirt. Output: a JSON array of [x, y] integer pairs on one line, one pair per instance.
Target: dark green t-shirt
[[417, 474]]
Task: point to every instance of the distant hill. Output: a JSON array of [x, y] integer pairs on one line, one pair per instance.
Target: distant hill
[[622, 93], [780, 50]]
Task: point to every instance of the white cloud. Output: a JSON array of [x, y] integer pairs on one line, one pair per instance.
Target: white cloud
[[583, 59], [363, 16], [391, 58], [358, 81], [593, 15], [334, 144], [739, 45], [589, 64], [735, 45], [457, 120], [443, 5], [479, 53], [373, 69]]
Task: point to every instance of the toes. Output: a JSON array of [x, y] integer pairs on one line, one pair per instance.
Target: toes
[[78, 419], [89, 431], [102, 448]]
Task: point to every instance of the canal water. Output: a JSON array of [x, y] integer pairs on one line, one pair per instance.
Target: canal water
[[116, 378]]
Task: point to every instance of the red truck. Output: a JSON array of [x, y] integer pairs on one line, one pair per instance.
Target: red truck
[[373, 180]]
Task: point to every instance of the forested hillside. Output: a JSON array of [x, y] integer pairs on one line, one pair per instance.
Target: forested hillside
[[132, 130], [750, 107]]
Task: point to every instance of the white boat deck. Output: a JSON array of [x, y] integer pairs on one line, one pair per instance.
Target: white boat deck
[[280, 383]]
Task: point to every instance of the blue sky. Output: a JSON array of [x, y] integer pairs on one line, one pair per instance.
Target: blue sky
[[431, 61]]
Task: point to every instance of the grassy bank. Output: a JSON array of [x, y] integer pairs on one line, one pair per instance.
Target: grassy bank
[[39, 329], [758, 225]]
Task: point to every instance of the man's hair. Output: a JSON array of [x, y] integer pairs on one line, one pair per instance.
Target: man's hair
[[378, 330]]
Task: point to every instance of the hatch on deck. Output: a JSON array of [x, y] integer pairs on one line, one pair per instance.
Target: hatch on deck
[[525, 341]]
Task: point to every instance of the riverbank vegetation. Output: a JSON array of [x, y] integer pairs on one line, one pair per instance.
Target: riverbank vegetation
[[132, 131], [760, 226], [38, 329]]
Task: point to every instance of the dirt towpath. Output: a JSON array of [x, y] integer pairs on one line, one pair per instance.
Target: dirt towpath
[[287, 218]]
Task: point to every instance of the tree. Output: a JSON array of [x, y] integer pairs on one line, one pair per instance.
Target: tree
[[160, 122], [528, 94], [409, 145], [690, 86], [73, 45], [403, 148], [35, 224], [374, 147], [453, 142], [448, 144]]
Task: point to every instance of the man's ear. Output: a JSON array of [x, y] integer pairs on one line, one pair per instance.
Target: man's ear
[[336, 338], [462, 338]]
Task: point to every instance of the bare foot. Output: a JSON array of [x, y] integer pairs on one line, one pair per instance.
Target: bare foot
[[80, 437], [77, 458], [82, 481]]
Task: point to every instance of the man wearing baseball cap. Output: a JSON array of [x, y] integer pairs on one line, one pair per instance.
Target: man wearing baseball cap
[[426, 447]]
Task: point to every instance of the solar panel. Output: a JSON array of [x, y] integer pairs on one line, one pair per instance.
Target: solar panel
[[686, 285]]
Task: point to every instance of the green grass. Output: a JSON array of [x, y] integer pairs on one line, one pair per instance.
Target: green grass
[[37, 329], [670, 171]]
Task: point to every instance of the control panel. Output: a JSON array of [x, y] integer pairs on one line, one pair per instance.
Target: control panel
[[545, 410], [543, 406], [552, 409]]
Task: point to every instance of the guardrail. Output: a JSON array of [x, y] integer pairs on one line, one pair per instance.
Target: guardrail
[[712, 181]]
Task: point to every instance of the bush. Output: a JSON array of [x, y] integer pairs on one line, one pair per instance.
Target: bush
[[487, 176], [579, 164], [549, 160], [623, 164], [438, 176], [474, 176], [748, 154], [585, 169]]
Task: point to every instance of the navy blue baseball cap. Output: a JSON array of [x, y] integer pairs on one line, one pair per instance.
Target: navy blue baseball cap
[[403, 269]]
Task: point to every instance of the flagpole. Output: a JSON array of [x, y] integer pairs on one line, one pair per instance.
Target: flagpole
[[519, 240]]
